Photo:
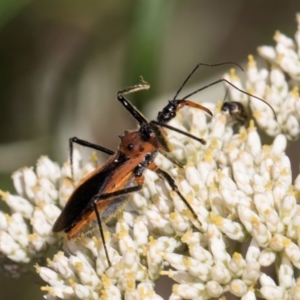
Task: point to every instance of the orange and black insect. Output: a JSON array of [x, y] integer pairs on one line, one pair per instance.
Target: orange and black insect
[[102, 193]]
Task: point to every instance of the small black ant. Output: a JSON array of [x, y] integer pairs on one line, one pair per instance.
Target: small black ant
[[235, 111]]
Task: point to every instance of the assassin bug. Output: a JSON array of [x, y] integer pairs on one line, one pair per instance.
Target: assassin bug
[[102, 193]]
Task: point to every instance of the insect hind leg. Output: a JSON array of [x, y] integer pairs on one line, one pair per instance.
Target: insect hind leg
[[101, 231]]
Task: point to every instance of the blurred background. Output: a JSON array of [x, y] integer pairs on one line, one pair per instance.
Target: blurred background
[[62, 63]]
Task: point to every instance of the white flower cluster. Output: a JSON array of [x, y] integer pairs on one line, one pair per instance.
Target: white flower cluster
[[245, 240], [250, 200], [241, 191], [272, 86], [26, 233]]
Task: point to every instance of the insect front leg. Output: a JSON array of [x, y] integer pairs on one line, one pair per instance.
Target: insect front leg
[[133, 110], [85, 144], [158, 123]]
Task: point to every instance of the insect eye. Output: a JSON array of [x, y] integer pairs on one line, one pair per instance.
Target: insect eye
[[225, 107], [147, 157], [130, 146]]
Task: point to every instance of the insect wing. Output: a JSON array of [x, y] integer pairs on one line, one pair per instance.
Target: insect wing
[[81, 199]]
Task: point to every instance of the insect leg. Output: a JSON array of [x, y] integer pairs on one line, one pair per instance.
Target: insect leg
[[171, 159], [133, 110], [174, 187], [118, 193], [114, 194], [85, 144], [163, 174], [202, 141], [90, 145], [101, 231]]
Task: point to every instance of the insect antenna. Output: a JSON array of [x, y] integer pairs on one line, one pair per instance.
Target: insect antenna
[[169, 111], [195, 69], [225, 80], [226, 95]]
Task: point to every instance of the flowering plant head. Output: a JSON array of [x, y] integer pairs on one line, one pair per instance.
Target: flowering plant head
[[240, 189]]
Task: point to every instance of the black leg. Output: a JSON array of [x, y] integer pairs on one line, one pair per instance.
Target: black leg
[[202, 141], [118, 193], [107, 196], [85, 144], [133, 110], [163, 174], [171, 159], [101, 231]]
